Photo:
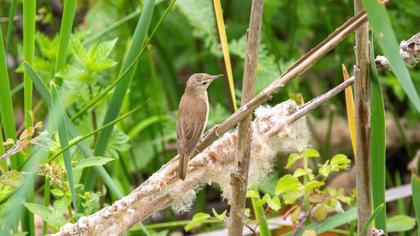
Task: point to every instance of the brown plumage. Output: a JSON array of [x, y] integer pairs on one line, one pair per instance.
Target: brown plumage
[[192, 118]]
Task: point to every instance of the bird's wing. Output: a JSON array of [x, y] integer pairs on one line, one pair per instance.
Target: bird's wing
[[192, 116]]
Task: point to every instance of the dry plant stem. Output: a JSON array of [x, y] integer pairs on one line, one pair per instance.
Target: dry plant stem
[[362, 113], [309, 106], [239, 178]]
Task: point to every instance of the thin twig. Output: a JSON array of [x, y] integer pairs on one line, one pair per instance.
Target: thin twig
[[362, 113], [309, 106], [239, 178]]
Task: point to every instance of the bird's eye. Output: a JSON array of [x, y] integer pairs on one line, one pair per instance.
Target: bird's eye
[[205, 83]]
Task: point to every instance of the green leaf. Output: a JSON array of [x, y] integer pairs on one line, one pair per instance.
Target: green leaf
[[382, 29], [65, 32], [331, 222], [371, 218], [311, 153], [59, 119], [200, 15], [313, 184], [93, 161], [45, 213], [292, 159], [302, 172], [400, 223], [221, 216], [274, 203], [197, 220], [287, 183], [415, 187], [6, 105], [252, 194], [9, 181], [320, 211], [57, 192], [378, 144], [325, 169], [96, 58], [340, 159]]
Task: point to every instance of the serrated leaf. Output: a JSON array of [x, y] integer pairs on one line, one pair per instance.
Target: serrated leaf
[[320, 211], [247, 212], [274, 203], [313, 184], [252, 194], [340, 159], [200, 15], [302, 172], [57, 192], [266, 197], [291, 197], [197, 219], [292, 159], [93, 161], [311, 153], [325, 170], [400, 223], [287, 183]]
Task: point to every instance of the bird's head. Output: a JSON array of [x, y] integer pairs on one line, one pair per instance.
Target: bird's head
[[201, 81]]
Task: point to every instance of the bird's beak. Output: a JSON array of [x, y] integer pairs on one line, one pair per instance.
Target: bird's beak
[[216, 76]]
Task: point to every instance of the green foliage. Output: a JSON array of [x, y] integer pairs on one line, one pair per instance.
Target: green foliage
[[94, 59], [415, 187], [93, 161], [378, 145], [203, 218], [400, 223], [9, 181], [200, 15]]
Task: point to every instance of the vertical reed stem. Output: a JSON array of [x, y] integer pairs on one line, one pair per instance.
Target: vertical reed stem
[[239, 179], [362, 113]]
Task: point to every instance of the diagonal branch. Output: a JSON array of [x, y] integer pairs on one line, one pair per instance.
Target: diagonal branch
[[239, 178]]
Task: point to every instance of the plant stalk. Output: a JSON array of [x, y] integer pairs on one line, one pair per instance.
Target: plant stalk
[[239, 179], [362, 113]]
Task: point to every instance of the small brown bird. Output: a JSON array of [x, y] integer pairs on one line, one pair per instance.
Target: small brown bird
[[192, 118]]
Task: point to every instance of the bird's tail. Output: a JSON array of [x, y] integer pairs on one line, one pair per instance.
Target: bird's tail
[[183, 165]]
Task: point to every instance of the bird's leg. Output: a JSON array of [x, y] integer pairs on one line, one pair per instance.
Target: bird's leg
[[211, 130]]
